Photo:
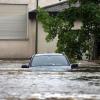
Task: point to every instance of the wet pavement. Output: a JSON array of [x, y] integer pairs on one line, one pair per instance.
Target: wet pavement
[[23, 84]]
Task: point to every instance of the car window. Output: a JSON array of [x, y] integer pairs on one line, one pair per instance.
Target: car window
[[50, 60]]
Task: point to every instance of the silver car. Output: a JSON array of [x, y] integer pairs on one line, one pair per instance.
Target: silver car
[[50, 62]]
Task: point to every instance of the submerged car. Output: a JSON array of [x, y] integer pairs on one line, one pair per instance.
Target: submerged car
[[50, 62]]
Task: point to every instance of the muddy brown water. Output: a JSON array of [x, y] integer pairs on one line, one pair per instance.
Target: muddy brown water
[[28, 85]]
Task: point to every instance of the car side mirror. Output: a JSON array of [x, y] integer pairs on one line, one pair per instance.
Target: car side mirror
[[74, 66], [24, 66]]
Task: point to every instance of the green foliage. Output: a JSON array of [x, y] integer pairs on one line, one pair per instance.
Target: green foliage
[[73, 42]]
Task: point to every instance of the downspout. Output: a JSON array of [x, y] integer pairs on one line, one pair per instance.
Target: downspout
[[36, 35]]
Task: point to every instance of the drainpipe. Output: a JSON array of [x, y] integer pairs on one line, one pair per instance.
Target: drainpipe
[[36, 35]]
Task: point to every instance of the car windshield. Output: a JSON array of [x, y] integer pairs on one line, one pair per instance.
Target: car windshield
[[50, 60]]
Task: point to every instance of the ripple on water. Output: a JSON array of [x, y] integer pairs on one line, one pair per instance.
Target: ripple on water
[[22, 85]]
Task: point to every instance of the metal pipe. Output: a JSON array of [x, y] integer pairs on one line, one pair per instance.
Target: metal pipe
[[36, 35]]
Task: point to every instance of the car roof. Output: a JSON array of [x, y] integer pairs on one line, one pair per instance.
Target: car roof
[[46, 54]]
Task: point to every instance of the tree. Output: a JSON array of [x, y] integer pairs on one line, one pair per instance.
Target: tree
[[73, 42]]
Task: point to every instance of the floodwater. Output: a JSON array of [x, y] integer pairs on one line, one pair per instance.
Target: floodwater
[[17, 84]]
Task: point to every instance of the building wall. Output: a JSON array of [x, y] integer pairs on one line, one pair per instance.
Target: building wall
[[18, 48], [43, 45]]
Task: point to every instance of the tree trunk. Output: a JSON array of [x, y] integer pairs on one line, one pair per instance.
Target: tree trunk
[[92, 47]]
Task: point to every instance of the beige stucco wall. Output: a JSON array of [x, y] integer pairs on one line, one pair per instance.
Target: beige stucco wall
[[18, 48], [43, 46]]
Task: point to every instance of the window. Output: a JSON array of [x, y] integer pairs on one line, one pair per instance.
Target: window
[[13, 21]]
